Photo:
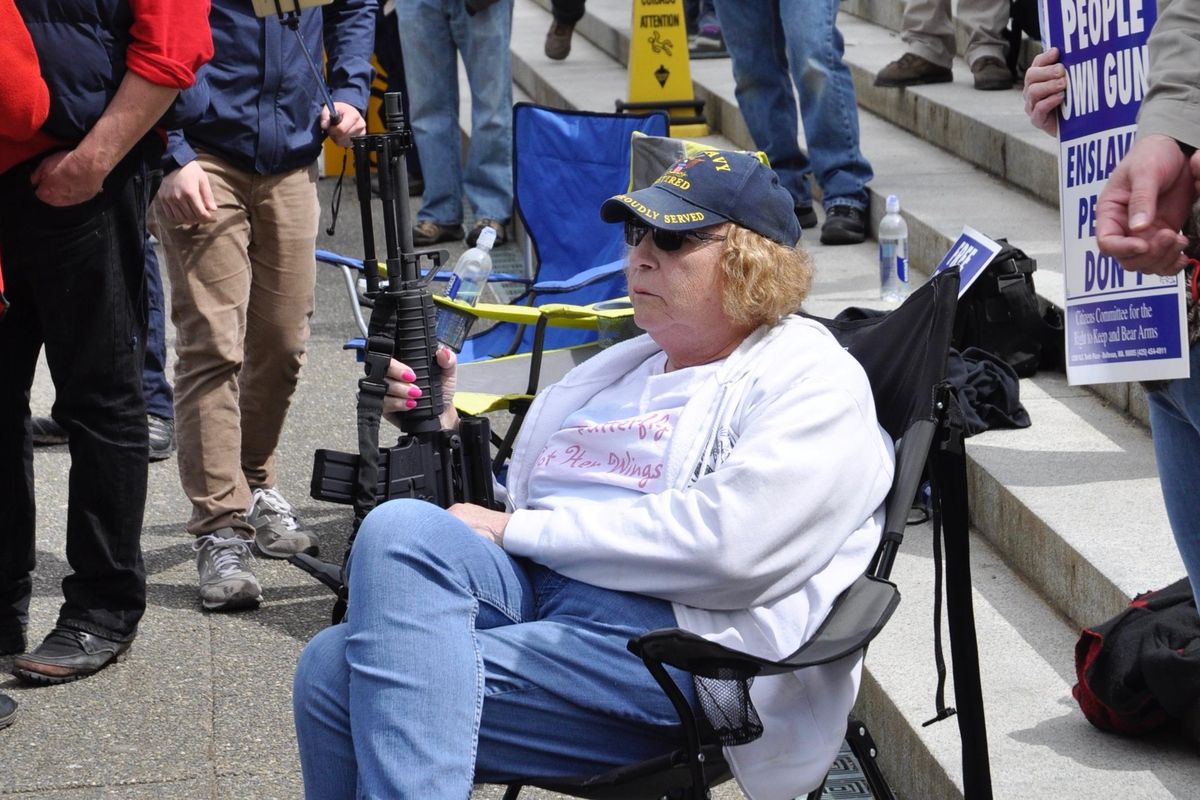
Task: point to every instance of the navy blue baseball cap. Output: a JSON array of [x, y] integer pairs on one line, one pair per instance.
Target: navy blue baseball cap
[[708, 188]]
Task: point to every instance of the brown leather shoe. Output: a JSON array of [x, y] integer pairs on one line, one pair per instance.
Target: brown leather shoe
[[991, 74], [68, 655], [912, 70], [558, 40], [427, 232]]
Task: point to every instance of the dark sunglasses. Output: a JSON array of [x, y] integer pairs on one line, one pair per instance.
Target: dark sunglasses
[[667, 241]]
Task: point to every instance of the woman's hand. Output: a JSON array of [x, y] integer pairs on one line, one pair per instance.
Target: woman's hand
[[402, 394], [487, 523], [1045, 90]]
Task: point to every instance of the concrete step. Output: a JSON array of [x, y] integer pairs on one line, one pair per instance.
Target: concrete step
[[1039, 744]]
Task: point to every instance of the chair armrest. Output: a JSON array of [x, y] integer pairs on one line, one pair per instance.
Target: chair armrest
[[558, 315], [856, 618], [580, 279], [337, 259]]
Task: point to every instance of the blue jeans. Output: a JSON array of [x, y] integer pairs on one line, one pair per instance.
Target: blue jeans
[[460, 663], [1175, 419], [764, 37], [160, 401], [432, 34]]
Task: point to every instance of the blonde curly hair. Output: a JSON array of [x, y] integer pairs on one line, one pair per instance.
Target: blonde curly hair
[[764, 280]]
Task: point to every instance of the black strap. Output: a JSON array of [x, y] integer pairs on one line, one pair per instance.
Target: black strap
[[948, 462], [939, 658], [1013, 38], [372, 388]]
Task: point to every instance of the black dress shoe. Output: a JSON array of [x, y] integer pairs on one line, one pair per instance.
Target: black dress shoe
[[162, 437], [844, 225], [68, 655], [8, 711]]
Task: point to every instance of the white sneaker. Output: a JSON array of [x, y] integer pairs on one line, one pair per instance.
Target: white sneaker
[[277, 531], [226, 580]]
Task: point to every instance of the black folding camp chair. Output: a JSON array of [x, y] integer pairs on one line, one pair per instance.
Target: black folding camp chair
[[904, 354]]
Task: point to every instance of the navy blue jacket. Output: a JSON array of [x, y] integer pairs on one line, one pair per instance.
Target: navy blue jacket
[[85, 47], [261, 103]]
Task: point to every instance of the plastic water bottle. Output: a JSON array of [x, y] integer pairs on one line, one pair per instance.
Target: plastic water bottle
[[893, 254], [470, 276]]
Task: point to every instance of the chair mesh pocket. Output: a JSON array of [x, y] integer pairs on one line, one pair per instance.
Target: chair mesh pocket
[[725, 700]]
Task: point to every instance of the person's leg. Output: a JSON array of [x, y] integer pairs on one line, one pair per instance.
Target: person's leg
[[210, 290], [1175, 420], [20, 342], [755, 40], [160, 401], [450, 641], [284, 214], [391, 59], [572, 669], [421, 582], [567, 12], [93, 317], [484, 43], [928, 30], [985, 20], [431, 71], [828, 108]]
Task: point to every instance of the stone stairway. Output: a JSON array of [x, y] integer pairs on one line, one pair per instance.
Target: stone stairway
[[1068, 520]]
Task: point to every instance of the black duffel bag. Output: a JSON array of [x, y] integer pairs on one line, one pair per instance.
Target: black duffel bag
[[1002, 314]]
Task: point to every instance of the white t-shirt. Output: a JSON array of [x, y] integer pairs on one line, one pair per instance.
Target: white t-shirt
[[614, 446]]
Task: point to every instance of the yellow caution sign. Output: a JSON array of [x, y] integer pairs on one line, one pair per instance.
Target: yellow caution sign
[[332, 161], [660, 75]]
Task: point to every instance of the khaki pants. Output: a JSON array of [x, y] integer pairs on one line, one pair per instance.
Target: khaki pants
[[928, 29], [241, 297]]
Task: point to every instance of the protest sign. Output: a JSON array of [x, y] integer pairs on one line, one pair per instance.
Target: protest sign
[[971, 253], [1120, 326]]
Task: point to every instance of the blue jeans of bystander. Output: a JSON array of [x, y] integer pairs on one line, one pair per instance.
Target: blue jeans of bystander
[[764, 37], [460, 663], [1175, 419], [160, 400], [432, 34]]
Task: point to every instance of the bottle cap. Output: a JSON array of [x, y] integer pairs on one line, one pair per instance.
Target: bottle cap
[[487, 238], [893, 204]]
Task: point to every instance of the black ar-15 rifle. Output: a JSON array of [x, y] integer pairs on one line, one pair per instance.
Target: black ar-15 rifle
[[427, 462]]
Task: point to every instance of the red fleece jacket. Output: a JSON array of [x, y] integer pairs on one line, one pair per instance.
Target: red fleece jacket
[[23, 94]]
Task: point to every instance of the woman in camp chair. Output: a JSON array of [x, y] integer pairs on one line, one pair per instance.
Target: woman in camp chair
[[723, 474]]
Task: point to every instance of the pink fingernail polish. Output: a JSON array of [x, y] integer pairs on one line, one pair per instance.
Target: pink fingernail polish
[[410, 403], [409, 376], [415, 391]]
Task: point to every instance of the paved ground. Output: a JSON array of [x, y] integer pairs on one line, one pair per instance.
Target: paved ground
[[202, 708]]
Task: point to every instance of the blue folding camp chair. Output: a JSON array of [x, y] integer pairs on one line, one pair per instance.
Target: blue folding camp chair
[[565, 164]]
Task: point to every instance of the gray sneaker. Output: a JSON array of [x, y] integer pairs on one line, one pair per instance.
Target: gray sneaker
[[226, 581], [277, 531]]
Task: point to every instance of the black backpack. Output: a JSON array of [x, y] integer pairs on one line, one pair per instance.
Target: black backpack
[[1002, 314]]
